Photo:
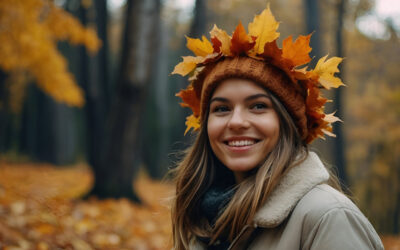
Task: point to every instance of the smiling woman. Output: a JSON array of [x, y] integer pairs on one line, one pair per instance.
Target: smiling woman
[[249, 180], [243, 126]]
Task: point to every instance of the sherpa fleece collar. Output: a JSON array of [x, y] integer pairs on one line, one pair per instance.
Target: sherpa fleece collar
[[293, 186]]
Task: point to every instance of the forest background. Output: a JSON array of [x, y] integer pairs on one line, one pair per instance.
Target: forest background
[[89, 119]]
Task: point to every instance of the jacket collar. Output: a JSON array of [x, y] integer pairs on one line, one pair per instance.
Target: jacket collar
[[293, 186]]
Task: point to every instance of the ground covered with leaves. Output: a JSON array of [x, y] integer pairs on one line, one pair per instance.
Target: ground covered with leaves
[[40, 208]]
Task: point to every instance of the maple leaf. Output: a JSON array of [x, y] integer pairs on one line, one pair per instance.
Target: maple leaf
[[241, 42], [271, 50], [303, 74], [216, 44], [199, 47], [218, 35], [190, 99], [263, 27], [314, 100], [297, 51], [188, 64], [326, 70], [192, 122]]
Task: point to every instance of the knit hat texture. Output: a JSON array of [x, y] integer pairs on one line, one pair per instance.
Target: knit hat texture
[[260, 72]]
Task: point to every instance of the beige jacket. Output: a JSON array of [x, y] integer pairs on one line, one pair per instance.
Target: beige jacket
[[304, 213]]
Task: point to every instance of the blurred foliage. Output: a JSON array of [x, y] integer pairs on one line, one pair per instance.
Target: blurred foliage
[[30, 30], [372, 125], [40, 209]]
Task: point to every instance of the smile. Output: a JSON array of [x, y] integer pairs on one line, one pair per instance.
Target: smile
[[241, 143]]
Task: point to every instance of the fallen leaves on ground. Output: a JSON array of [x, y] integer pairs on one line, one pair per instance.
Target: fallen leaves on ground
[[40, 209]]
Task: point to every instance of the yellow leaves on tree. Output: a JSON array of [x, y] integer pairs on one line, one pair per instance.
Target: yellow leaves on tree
[[28, 37]]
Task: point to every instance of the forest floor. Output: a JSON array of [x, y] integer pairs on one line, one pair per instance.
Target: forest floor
[[41, 209]]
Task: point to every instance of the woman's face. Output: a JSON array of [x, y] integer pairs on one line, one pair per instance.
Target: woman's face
[[242, 125]]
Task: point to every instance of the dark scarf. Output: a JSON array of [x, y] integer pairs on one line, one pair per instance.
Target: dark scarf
[[213, 203]]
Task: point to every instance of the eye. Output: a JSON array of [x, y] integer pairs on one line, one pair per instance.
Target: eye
[[259, 106], [220, 109]]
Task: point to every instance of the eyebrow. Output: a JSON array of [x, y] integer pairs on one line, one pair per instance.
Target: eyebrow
[[249, 98]]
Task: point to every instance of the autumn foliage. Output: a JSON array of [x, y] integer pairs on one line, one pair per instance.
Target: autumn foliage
[[40, 209], [30, 30]]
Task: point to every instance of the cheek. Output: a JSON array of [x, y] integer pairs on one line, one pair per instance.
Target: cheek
[[214, 128], [270, 127]]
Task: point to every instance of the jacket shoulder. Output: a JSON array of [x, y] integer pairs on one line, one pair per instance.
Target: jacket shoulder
[[321, 199], [325, 210]]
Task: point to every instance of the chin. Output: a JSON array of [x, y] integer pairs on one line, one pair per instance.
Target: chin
[[238, 167]]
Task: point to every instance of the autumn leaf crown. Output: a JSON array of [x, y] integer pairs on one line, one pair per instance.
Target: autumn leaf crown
[[261, 44]]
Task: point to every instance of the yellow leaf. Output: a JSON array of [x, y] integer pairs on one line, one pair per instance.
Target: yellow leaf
[[326, 70], [188, 64], [199, 47], [223, 38], [192, 122], [263, 27], [297, 51]]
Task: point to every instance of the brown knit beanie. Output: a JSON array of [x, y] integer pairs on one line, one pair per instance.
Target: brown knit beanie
[[262, 73]]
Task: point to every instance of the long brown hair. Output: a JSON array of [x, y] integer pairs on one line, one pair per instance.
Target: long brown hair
[[197, 171]]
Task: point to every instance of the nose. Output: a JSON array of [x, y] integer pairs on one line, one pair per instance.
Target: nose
[[238, 120]]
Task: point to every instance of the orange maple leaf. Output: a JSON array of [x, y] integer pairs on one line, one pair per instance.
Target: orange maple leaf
[[314, 100], [241, 42], [271, 50], [190, 99], [297, 51]]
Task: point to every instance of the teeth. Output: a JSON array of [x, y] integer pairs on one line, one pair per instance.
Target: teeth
[[241, 143]]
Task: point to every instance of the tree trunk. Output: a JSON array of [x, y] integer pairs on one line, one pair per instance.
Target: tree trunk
[[313, 26], [3, 113], [339, 143], [94, 76], [334, 145], [155, 146], [122, 139]]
